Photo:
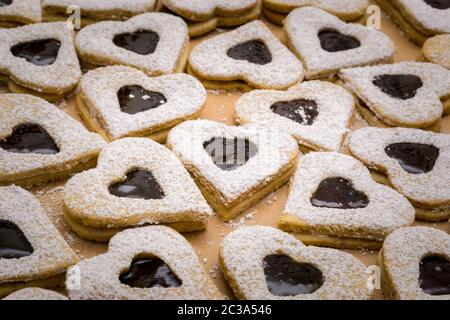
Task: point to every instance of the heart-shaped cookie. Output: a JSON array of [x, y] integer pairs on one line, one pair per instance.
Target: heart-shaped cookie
[[263, 263], [415, 264], [326, 44], [155, 43], [406, 94], [39, 142], [234, 166], [415, 161], [92, 11], [32, 252], [247, 56], [126, 102], [40, 59], [17, 12], [148, 263], [35, 294], [137, 181], [316, 113], [333, 201]]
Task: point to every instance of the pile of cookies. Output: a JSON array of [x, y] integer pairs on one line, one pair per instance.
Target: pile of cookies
[[324, 109]]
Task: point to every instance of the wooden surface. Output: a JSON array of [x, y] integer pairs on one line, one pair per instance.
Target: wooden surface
[[220, 107]]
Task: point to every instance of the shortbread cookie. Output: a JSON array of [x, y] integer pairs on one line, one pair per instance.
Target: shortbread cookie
[[39, 142], [316, 113], [40, 59], [348, 10], [333, 197], [250, 54], [437, 50], [148, 263], [203, 23], [32, 252], [35, 294], [326, 44], [407, 94], [234, 167], [419, 19], [120, 101], [416, 162], [156, 43], [263, 263], [14, 13], [415, 264], [92, 11], [137, 181]]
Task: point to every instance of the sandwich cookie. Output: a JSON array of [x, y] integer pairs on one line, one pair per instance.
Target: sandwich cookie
[[437, 50], [35, 294], [14, 13]]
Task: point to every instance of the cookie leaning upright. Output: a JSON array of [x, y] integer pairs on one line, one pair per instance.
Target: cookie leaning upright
[[14, 13], [419, 19], [32, 252], [416, 162], [415, 264], [119, 101], [40, 143], [325, 44], [437, 50], [39, 59], [148, 263], [406, 94], [93, 11], [156, 43], [247, 57], [204, 16]]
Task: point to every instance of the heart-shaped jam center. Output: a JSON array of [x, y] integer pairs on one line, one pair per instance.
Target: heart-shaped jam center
[[149, 273], [287, 277], [135, 99], [434, 276], [4, 3], [139, 184], [439, 4], [142, 42], [13, 243], [414, 158], [302, 111], [338, 193], [230, 154], [401, 86], [334, 41], [38, 52], [29, 138], [254, 51]]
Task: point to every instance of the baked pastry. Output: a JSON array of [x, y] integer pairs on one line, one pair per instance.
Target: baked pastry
[[120, 101], [137, 181], [325, 44], [234, 167], [39, 59], [249, 56], [40, 143], [407, 94], [415, 264], [204, 16], [316, 113], [416, 162], [148, 263], [263, 263], [156, 43], [35, 294], [419, 19], [94, 11], [18, 12], [334, 202], [437, 50], [348, 10], [32, 252]]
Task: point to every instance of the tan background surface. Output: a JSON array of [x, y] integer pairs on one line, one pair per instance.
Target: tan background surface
[[220, 107]]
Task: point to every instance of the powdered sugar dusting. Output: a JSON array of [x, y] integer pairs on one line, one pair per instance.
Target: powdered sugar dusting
[[35, 294], [24, 11]]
